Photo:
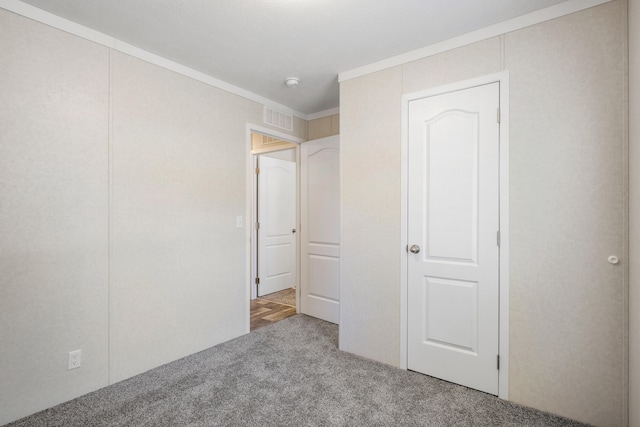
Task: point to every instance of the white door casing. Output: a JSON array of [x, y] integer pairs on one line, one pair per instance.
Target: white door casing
[[453, 216], [320, 228], [277, 222]]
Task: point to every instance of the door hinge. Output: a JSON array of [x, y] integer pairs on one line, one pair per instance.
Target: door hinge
[[257, 171], [257, 226], [498, 237], [498, 115], [498, 361], [257, 280]]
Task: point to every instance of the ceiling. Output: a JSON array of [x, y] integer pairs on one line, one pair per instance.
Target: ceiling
[[256, 44]]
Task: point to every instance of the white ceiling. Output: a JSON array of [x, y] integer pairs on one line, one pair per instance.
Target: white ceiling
[[256, 44]]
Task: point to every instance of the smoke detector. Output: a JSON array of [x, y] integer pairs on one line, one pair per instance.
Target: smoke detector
[[292, 81]]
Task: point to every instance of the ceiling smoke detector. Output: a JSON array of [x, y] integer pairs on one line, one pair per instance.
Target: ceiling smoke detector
[[292, 81]]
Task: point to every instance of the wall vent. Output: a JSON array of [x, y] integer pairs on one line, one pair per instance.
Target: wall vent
[[278, 119]]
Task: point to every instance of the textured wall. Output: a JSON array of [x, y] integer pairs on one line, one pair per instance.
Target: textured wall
[[453, 66], [568, 192], [370, 215], [178, 180], [53, 215], [120, 183], [634, 212], [323, 127]]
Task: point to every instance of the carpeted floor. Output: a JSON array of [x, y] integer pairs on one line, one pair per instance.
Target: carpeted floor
[[287, 374], [287, 297]]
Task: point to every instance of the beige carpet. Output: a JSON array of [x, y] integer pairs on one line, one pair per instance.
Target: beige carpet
[[286, 297]]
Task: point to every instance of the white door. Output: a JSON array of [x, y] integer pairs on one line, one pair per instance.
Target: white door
[[453, 222], [320, 228], [277, 222]]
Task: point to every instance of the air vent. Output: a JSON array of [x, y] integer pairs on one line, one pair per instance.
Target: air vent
[[278, 119]]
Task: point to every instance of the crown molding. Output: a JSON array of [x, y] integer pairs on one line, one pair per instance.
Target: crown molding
[[542, 15], [325, 113], [87, 33]]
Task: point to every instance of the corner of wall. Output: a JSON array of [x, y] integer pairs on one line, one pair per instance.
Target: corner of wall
[[323, 127]]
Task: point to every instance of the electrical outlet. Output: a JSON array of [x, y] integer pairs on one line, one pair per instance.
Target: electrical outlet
[[75, 358]]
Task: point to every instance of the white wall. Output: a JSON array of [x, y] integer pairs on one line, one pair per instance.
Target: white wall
[[53, 215], [568, 190], [370, 215], [120, 183], [178, 181], [634, 213]]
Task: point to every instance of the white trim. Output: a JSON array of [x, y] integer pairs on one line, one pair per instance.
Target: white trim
[[503, 79], [325, 113], [404, 230], [268, 149], [87, 33], [542, 15], [298, 227], [249, 228], [633, 180], [253, 219], [503, 377], [274, 133], [58, 22]]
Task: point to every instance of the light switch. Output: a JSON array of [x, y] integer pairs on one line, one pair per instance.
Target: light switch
[[238, 222]]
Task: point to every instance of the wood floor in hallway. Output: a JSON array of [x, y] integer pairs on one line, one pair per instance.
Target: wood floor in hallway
[[265, 313]]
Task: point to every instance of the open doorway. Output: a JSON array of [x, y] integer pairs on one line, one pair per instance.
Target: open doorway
[[315, 274], [274, 240]]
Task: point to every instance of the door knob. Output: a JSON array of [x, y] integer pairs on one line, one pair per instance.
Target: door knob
[[414, 249], [293, 230]]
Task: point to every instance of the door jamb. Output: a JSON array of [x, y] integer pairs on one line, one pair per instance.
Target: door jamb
[[503, 79], [250, 231]]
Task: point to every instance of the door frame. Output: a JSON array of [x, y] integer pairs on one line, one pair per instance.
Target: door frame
[[250, 230], [503, 328]]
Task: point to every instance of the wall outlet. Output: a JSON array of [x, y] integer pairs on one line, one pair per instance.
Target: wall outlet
[[75, 358]]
